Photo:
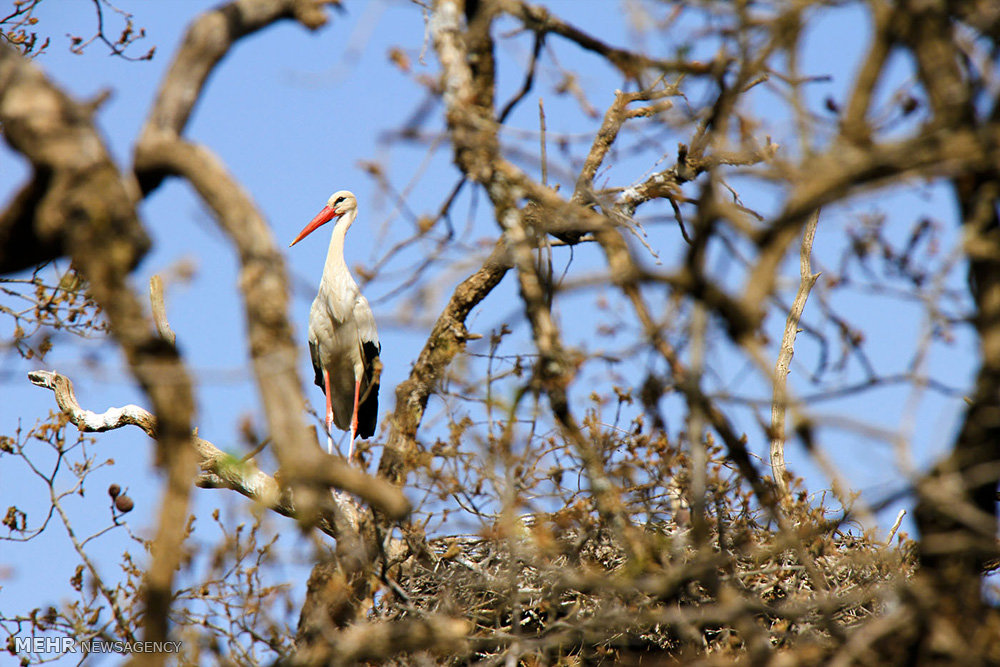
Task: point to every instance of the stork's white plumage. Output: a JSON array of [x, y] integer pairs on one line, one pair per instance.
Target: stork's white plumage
[[343, 341]]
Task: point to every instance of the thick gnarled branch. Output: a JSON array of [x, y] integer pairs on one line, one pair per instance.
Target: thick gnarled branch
[[446, 340], [208, 39], [91, 208], [161, 151]]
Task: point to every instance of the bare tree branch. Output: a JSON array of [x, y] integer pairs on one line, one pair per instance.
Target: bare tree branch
[[220, 470], [630, 64], [92, 208], [161, 151], [446, 340], [780, 394], [552, 526], [224, 470], [156, 300]]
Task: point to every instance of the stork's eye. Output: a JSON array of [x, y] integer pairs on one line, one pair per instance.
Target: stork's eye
[[339, 199]]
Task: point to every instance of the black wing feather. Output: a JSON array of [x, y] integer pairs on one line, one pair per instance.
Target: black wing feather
[[368, 407], [317, 366]]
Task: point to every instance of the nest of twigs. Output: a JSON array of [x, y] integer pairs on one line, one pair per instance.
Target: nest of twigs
[[584, 593]]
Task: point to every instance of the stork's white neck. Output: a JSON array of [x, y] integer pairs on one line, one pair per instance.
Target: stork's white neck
[[335, 263]]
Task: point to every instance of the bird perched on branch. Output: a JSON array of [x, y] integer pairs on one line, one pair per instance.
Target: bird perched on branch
[[343, 340]]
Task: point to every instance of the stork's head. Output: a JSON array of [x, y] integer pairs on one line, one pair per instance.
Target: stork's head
[[341, 203]]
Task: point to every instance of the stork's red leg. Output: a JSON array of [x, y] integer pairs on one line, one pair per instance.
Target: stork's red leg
[[329, 414], [354, 419]]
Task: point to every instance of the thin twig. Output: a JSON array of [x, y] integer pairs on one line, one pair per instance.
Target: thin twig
[[780, 396], [895, 527], [541, 142]]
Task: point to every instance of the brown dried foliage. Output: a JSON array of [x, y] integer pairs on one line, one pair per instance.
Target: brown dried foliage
[[549, 529]]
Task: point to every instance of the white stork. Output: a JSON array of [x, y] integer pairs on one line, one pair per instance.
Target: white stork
[[343, 341]]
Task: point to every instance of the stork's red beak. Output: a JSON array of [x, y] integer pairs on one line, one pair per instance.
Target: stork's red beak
[[326, 215]]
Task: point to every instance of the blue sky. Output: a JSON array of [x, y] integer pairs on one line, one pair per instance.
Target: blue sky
[[293, 115]]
